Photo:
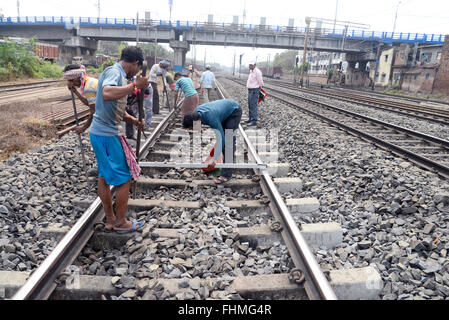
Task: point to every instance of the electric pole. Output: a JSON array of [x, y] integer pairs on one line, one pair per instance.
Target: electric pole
[[233, 65], [170, 4], [18, 8], [301, 81], [396, 16], [98, 8], [330, 55], [240, 67], [244, 11], [137, 29]]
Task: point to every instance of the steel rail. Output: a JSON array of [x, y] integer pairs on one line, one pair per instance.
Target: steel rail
[[379, 101], [424, 113], [42, 281], [423, 161], [381, 95], [21, 86], [316, 284], [366, 118]]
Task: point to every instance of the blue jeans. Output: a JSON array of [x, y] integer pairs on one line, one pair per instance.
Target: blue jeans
[[253, 98]]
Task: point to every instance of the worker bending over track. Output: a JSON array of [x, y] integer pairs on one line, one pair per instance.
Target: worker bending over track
[[220, 115]]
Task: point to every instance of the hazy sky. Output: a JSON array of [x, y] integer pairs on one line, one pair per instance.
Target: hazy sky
[[431, 16]]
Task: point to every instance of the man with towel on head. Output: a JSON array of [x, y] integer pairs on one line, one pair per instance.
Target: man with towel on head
[[116, 159], [76, 76], [158, 69]]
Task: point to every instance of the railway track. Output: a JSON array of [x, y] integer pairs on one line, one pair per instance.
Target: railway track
[[420, 101], [427, 151], [21, 86], [30, 94], [421, 112], [161, 247]]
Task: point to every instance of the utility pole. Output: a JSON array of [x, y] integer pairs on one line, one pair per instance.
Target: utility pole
[[137, 29], [170, 4], [269, 63], [204, 65], [296, 67], [330, 55], [233, 65], [377, 65], [98, 8], [18, 8], [244, 11], [301, 81], [240, 68], [396, 16]]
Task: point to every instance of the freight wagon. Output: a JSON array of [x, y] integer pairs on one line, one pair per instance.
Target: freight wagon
[[46, 51], [271, 72]]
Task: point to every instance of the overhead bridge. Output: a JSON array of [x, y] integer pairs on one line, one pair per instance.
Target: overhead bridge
[[84, 32]]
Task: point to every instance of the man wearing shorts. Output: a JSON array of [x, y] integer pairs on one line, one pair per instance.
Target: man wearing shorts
[[115, 158]]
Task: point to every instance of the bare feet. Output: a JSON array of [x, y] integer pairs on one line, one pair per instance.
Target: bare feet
[[110, 223], [128, 226], [124, 225]]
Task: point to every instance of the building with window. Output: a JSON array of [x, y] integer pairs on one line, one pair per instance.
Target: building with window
[[383, 75]]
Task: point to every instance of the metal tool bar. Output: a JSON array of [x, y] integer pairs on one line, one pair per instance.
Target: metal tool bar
[[202, 165]]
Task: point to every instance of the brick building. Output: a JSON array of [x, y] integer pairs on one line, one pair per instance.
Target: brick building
[[441, 84]]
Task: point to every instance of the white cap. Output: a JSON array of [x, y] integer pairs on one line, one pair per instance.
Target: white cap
[[252, 63]]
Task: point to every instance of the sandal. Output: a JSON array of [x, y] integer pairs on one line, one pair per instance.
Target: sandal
[[136, 225], [221, 180], [101, 227]]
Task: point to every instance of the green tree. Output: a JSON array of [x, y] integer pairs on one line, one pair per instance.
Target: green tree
[[17, 60]]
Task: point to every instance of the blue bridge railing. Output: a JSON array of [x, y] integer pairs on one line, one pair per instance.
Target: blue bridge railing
[[69, 22]]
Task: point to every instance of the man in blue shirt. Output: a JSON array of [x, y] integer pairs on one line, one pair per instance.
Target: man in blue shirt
[[115, 160], [220, 115]]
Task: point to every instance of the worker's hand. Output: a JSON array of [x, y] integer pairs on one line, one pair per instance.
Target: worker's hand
[[79, 129], [211, 164], [140, 125], [71, 86], [141, 82]]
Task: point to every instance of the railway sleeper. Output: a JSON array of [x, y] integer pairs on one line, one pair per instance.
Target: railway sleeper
[[348, 284], [297, 206]]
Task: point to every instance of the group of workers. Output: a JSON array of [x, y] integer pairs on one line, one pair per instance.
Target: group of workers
[[113, 98]]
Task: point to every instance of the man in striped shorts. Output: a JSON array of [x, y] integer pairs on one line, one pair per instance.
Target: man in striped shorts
[[191, 99]]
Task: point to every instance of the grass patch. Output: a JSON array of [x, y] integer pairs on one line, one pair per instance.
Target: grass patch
[[21, 128]]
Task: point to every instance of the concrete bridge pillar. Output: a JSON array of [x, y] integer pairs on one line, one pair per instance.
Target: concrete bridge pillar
[[180, 49]]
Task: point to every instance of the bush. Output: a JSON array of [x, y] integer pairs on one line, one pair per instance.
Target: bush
[[92, 69], [49, 70], [17, 60], [109, 62]]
